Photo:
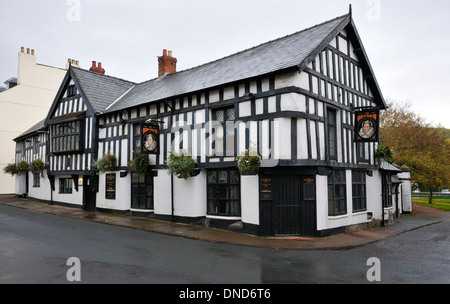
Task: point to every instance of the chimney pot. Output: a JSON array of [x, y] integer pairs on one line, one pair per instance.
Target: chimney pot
[[28, 50], [166, 64], [32, 52], [22, 49]]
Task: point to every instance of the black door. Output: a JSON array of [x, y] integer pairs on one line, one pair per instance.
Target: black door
[[287, 205], [89, 193]]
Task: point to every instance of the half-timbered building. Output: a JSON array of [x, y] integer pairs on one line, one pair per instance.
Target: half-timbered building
[[293, 101]]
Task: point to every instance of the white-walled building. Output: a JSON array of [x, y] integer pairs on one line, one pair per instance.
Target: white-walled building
[[24, 103], [301, 102]]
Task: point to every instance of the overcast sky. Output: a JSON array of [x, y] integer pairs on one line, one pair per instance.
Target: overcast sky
[[408, 42]]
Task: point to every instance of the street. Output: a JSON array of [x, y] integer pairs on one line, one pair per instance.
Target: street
[[36, 247]]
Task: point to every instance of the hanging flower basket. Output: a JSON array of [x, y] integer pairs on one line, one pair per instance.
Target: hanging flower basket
[[11, 169], [38, 165], [139, 164], [384, 153], [106, 163], [182, 165], [248, 164], [22, 167]]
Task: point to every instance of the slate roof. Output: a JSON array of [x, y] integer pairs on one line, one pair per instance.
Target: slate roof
[[100, 90], [37, 127], [385, 166], [283, 53]]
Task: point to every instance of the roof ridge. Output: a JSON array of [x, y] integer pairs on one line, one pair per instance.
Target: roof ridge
[[105, 75], [254, 47]]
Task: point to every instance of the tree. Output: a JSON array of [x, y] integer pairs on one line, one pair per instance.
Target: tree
[[417, 144]]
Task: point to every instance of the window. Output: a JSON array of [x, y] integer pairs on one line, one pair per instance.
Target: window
[[337, 194], [142, 190], [224, 131], [361, 150], [36, 143], [71, 91], [359, 190], [141, 184], [387, 191], [65, 185], [137, 138], [332, 133], [66, 137], [224, 194], [36, 180]]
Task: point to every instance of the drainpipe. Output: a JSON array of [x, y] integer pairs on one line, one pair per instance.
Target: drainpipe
[[171, 190], [396, 200], [171, 176], [383, 197]]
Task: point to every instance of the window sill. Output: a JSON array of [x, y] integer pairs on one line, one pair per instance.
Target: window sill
[[224, 217]]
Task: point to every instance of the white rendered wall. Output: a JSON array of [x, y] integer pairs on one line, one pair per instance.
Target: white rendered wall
[[123, 193], [189, 195], [405, 177], [162, 199], [74, 198], [44, 191], [373, 196], [250, 199]]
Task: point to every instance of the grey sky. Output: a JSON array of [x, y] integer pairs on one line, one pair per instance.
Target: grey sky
[[407, 41]]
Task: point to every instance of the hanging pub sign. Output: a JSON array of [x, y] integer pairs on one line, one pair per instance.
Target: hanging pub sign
[[367, 124], [150, 138]]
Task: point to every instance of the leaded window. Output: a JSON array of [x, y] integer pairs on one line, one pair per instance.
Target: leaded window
[[137, 138], [359, 190], [332, 133], [387, 191], [142, 190], [224, 192], [141, 183], [37, 179], [66, 137], [224, 139], [65, 185], [337, 193]]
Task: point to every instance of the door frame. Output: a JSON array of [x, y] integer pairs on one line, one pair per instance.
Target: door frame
[[269, 194], [89, 193]]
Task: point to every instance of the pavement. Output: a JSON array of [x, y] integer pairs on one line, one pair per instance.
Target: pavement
[[420, 217]]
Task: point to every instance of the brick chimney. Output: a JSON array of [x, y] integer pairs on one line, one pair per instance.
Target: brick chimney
[[97, 69], [166, 63]]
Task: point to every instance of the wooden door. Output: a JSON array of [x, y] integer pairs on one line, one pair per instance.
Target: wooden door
[[287, 205]]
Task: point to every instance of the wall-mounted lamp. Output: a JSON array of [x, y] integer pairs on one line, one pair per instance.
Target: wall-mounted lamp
[[80, 181]]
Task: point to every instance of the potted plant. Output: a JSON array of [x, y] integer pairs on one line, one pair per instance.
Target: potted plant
[[248, 164], [22, 167], [107, 163], [38, 165], [384, 153], [182, 165], [139, 163], [11, 169]]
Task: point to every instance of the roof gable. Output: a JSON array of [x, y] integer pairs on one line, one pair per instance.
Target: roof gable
[[100, 90], [287, 52]]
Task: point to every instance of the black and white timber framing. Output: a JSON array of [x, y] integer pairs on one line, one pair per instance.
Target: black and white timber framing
[[296, 111]]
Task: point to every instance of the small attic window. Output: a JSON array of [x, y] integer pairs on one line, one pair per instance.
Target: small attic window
[[71, 91]]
